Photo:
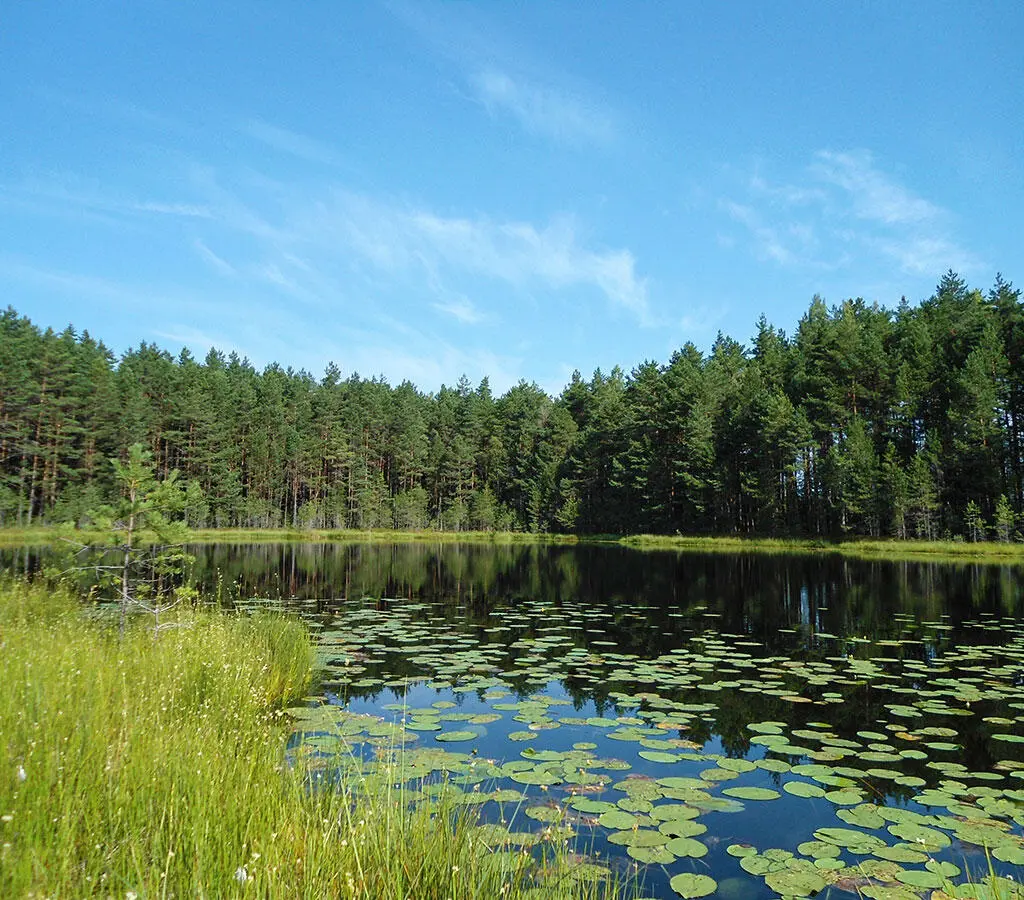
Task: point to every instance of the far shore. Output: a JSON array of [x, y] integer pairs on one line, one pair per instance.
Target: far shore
[[870, 549]]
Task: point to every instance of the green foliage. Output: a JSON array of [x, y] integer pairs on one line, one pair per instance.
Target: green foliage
[[867, 421], [136, 549], [973, 521], [1004, 519], [152, 769]]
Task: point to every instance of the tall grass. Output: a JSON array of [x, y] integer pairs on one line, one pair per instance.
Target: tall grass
[[859, 548], [379, 535], [156, 769]]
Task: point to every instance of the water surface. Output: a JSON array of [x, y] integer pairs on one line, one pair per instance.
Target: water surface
[[772, 722]]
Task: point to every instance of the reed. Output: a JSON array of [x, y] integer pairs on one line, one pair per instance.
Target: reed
[[152, 769]]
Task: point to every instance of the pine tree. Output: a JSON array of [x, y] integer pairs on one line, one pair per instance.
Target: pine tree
[[973, 521], [139, 557], [1004, 519]]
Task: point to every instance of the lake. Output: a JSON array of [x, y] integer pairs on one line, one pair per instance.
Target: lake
[[724, 725]]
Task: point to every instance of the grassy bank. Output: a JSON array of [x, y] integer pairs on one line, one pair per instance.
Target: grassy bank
[[937, 551], [158, 769], [862, 548], [380, 536], [18, 537]]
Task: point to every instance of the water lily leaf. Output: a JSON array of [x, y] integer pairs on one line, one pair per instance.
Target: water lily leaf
[[752, 793], [638, 837], [619, 820], [682, 828], [802, 879], [920, 878], [863, 816], [456, 736], [692, 886], [1010, 854], [900, 854], [803, 789], [847, 837], [659, 756], [650, 854], [847, 797], [741, 850], [674, 811], [545, 813], [687, 847], [819, 849], [927, 838]]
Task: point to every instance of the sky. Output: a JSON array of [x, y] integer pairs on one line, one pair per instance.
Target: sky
[[421, 190]]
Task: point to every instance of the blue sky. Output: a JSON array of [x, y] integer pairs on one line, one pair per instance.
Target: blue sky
[[422, 190]]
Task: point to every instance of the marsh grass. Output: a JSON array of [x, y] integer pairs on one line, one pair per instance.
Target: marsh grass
[[861, 548], [158, 769], [354, 536], [934, 551]]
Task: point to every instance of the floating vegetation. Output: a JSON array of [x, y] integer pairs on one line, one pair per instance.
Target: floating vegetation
[[893, 764]]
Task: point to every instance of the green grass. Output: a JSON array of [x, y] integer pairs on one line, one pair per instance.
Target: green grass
[[158, 769], [384, 536], [861, 548], [36, 535]]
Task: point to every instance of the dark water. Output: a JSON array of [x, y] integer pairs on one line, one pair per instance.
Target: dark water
[[754, 594], [884, 656]]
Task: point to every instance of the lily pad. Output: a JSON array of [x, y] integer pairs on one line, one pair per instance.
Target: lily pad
[[456, 736], [692, 886], [752, 793]]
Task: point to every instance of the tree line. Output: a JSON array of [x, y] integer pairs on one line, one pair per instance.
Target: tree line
[[866, 420]]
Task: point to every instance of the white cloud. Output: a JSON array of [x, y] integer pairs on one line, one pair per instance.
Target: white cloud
[[521, 253], [462, 309], [186, 210], [408, 354], [217, 262], [786, 244], [844, 209], [449, 249], [924, 255], [198, 342], [290, 142], [509, 79], [542, 110], [786, 194], [59, 194], [873, 194]]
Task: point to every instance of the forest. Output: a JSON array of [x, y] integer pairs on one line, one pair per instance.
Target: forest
[[905, 422]]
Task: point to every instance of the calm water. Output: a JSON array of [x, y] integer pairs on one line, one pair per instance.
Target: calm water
[[673, 679]]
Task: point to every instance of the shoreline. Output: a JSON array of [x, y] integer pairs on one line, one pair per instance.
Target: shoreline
[[877, 549]]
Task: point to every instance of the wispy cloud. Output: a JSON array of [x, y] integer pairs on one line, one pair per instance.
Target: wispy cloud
[[768, 242], [520, 253], [63, 193], [924, 255], [290, 142], [118, 109], [428, 367], [842, 209], [872, 194], [76, 284], [220, 264], [507, 79], [186, 210], [543, 110], [461, 309], [198, 342], [446, 250]]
